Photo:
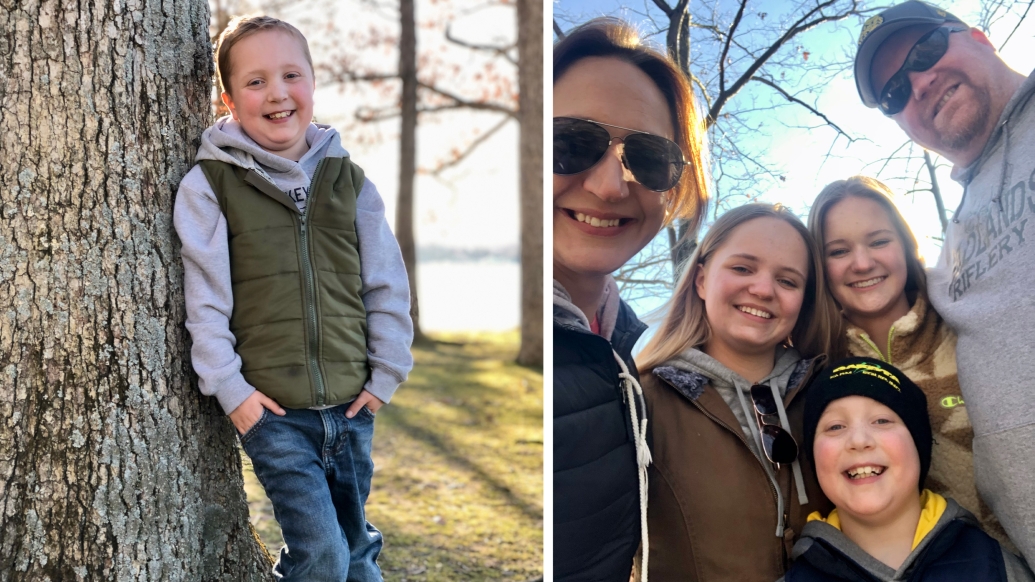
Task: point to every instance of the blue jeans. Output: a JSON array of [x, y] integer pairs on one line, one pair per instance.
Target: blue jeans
[[315, 466]]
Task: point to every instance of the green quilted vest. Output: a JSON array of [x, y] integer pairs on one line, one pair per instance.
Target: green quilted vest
[[298, 317]]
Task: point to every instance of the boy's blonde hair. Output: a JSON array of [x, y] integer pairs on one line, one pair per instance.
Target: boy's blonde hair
[[242, 27], [686, 323]]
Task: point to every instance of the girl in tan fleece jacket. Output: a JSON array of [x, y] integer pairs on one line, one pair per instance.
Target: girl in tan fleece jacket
[[875, 277]]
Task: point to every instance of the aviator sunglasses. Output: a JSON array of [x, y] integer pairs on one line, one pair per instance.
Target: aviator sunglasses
[[925, 53], [777, 443], [578, 145]]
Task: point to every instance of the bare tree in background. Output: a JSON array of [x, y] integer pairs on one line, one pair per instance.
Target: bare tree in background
[[112, 466], [530, 75], [431, 87]]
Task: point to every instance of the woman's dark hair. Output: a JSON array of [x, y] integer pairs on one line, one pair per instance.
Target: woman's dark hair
[[610, 37]]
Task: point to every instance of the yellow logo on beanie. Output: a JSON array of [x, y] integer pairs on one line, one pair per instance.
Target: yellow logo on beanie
[[866, 369], [868, 26]]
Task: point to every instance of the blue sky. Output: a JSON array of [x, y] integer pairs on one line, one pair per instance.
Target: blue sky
[[800, 156]]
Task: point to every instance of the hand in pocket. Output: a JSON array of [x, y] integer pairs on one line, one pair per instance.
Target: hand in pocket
[[249, 412]]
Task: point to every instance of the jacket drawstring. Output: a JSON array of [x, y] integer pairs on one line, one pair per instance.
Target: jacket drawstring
[[799, 481], [633, 394]]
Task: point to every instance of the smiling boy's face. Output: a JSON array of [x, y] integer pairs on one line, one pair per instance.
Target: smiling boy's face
[[271, 91], [866, 461]]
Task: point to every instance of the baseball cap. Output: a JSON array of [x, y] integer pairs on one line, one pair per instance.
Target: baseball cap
[[878, 28]]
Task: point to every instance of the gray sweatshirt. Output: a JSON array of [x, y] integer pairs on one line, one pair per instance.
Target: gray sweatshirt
[[984, 287], [201, 227]]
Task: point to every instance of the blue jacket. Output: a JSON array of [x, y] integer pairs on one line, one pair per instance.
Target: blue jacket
[[596, 491], [956, 550]]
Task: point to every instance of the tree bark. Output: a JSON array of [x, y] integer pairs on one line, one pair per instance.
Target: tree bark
[[530, 106], [408, 156], [112, 466]]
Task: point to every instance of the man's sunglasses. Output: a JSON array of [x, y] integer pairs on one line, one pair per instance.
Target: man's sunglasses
[[777, 443], [579, 144], [925, 53]]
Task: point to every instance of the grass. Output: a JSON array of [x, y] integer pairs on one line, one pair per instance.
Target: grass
[[458, 485]]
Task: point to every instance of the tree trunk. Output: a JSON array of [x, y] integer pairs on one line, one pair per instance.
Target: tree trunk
[[530, 106], [408, 156], [112, 466], [936, 191]]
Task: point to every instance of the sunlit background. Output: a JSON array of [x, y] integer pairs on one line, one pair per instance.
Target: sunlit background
[[801, 152], [466, 215]]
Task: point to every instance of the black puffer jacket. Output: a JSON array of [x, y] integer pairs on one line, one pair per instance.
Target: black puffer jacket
[[596, 493]]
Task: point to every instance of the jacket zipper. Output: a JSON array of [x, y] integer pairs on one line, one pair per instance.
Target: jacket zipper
[[310, 295], [866, 338]]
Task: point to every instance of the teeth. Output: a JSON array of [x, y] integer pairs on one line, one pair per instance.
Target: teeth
[[754, 311], [280, 115], [867, 283], [863, 472], [945, 99], [594, 221]]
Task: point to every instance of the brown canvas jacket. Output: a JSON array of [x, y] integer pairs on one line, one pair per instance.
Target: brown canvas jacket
[[712, 509]]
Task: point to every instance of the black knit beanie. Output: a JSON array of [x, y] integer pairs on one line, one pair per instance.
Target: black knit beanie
[[877, 380]]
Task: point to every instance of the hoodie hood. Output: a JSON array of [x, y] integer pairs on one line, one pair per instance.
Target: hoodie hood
[[227, 142], [824, 546], [964, 175], [568, 314]]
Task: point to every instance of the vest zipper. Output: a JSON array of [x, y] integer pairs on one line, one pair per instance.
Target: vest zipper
[[310, 296]]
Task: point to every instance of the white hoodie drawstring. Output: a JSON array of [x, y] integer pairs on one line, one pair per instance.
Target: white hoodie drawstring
[[633, 394]]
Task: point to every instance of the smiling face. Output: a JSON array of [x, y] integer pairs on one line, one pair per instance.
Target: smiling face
[[951, 105], [602, 217], [866, 461], [271, 92], [865, 261], [753, 286]]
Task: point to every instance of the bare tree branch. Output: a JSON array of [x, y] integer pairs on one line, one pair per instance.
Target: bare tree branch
[[471, 147], [501, 51], [1016, 26], [557, 29], [459, 102], [726, 47], [811, 109], [806, 22]]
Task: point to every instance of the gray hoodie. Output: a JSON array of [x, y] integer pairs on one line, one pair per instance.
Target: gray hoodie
[[201, 227], [983, 286]]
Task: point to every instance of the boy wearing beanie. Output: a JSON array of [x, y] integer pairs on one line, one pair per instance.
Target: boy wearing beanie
[[866, 425]]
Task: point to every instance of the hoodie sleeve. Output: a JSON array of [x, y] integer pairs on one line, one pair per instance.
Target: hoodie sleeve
[[386, 296], [201, 227]]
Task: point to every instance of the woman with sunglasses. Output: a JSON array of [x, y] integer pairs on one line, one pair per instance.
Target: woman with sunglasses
[[626, 162], [725, 378], [875, 278]]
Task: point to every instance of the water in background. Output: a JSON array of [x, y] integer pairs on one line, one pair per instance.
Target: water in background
[[469, 296]]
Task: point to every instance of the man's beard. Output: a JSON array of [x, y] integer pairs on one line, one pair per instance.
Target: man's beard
[[964, 130]]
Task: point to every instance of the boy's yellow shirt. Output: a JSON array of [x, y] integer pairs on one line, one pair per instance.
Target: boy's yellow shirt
[[932, 506]]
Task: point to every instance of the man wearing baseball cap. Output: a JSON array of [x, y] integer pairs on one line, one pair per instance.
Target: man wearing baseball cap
[[945, 85]]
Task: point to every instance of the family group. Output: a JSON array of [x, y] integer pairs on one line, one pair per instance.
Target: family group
[[815, 404]]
